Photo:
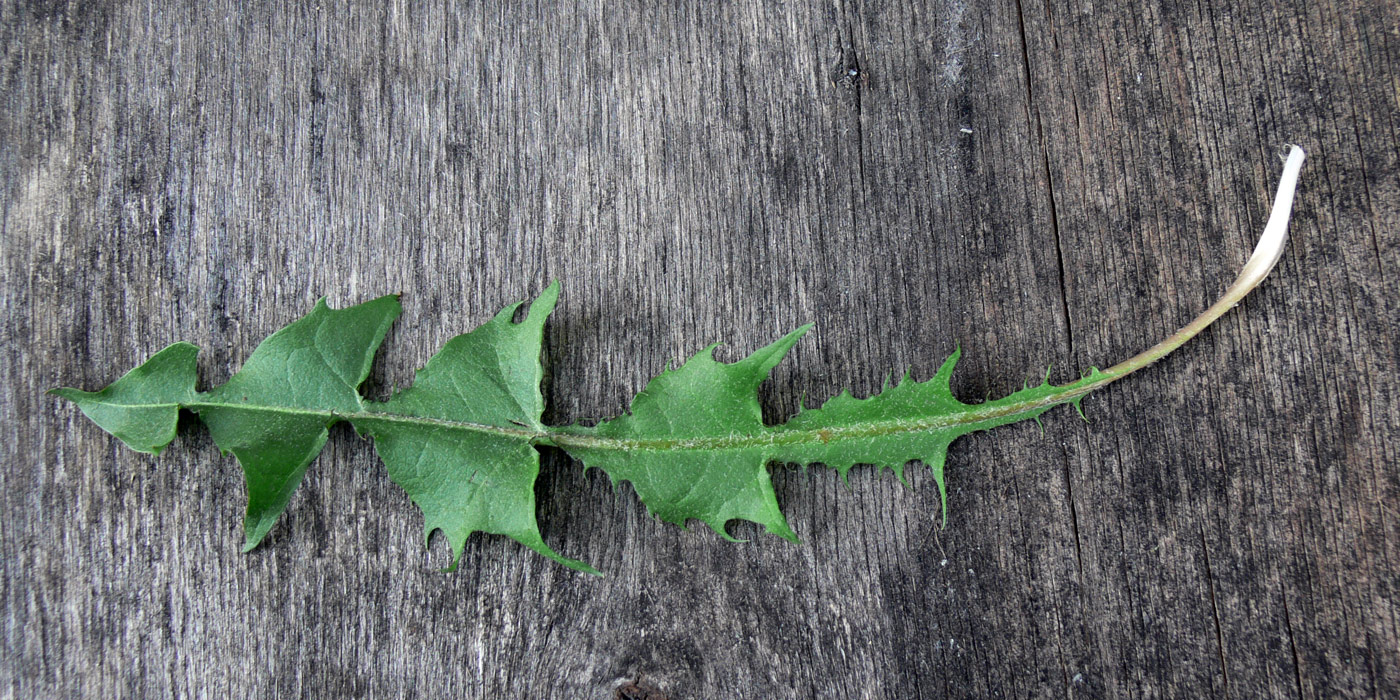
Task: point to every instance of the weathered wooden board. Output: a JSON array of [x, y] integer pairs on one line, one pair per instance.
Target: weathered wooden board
[[1043, 183]]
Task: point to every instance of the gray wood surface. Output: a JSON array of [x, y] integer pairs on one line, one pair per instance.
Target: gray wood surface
[[1040, 182]]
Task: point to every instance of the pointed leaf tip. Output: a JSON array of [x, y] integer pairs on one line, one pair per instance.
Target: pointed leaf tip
[[544, 303], [764, 359], [943, 377]]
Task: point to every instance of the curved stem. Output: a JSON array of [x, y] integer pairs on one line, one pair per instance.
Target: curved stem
[[1266, 254]]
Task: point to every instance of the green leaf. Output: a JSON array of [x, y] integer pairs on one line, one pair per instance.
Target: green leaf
[[460, 440], [142, 407], [275, 414], [691, 446]]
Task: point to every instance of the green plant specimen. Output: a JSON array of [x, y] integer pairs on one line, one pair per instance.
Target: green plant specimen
[[462, 439]]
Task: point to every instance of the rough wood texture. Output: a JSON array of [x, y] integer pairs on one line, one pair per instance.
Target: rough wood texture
[[1043, 182]]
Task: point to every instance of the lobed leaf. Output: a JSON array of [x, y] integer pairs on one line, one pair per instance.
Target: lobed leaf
[[462, 440]]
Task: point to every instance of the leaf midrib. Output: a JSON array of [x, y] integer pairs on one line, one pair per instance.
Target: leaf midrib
[[770, 436]]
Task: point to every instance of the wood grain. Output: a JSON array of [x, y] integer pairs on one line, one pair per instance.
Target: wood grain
[[1041, 182]]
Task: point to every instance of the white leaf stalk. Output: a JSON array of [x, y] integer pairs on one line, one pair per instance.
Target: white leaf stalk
[[1266, 255]]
